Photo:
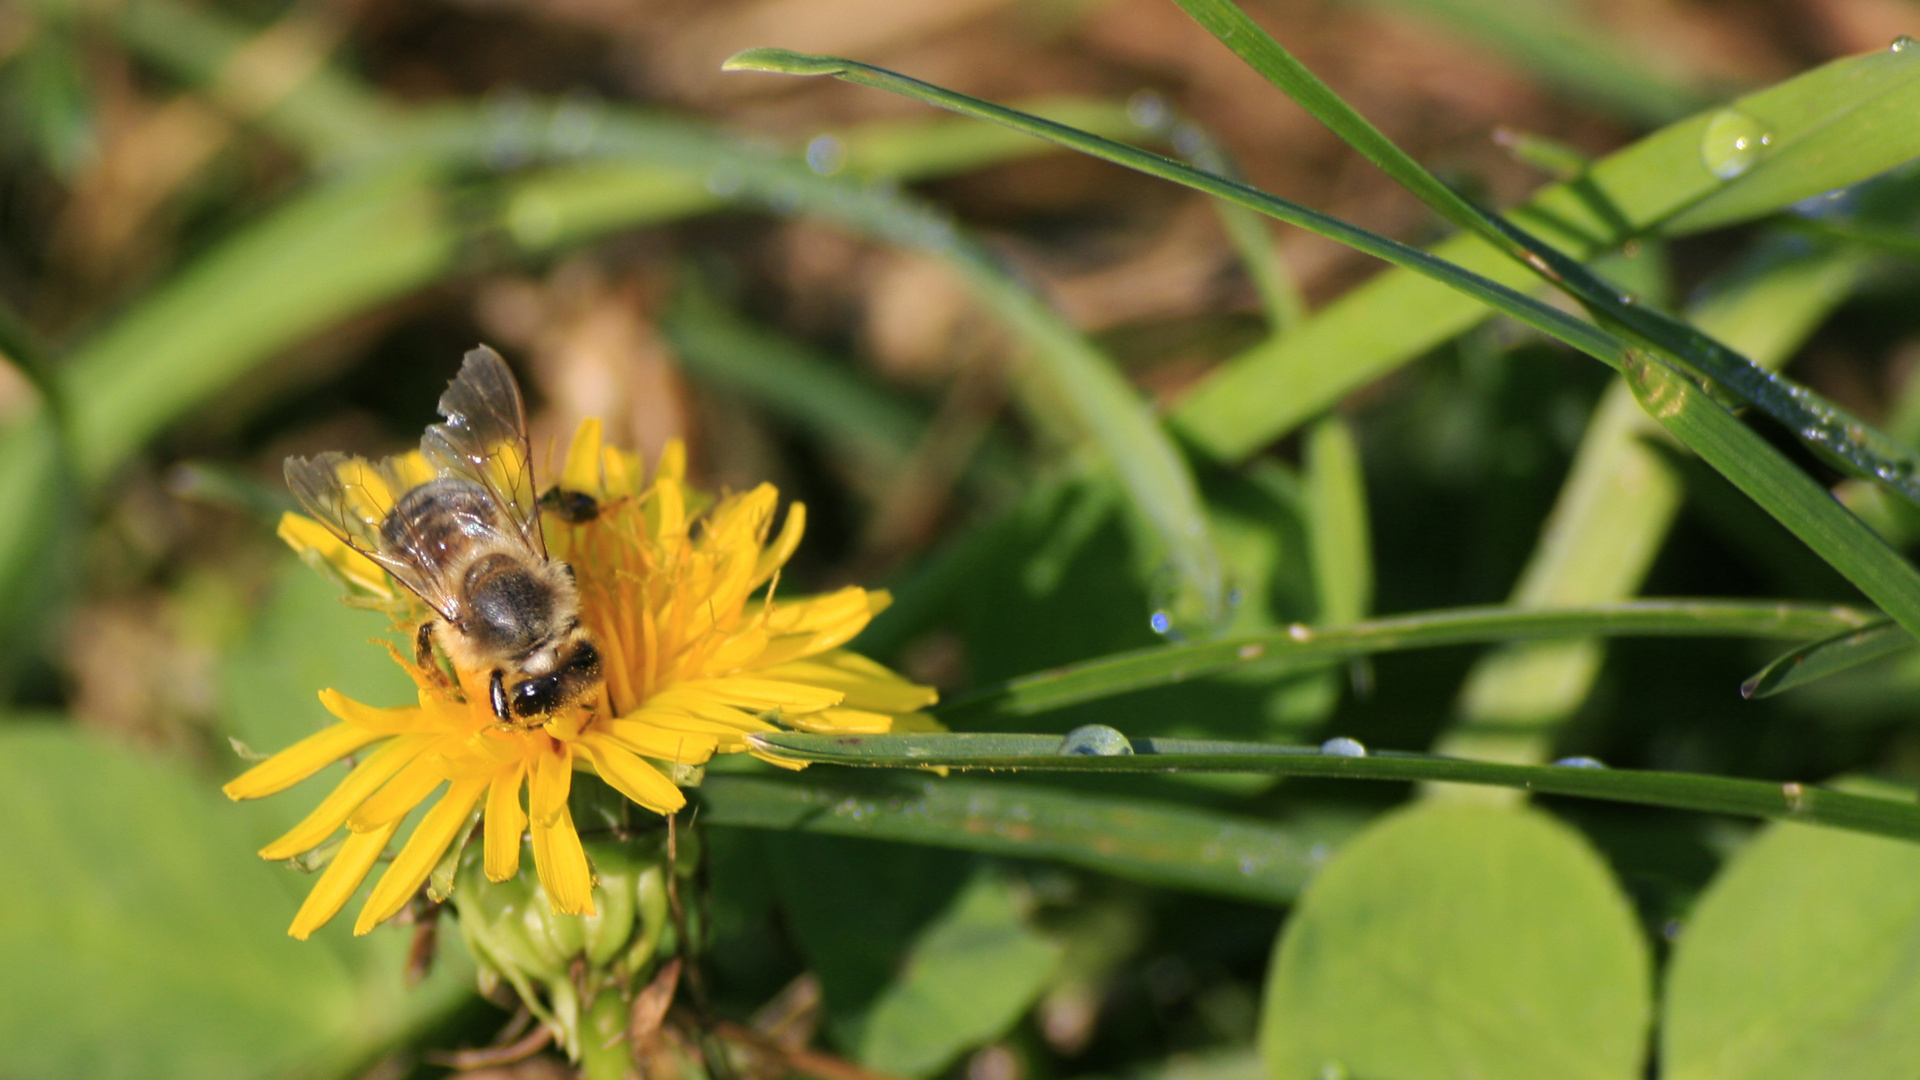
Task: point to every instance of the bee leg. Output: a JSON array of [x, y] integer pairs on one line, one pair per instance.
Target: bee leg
[[423, 652], [498, 689]]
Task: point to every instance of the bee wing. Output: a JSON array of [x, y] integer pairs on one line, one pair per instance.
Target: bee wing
[[351, 496], [484, 439]]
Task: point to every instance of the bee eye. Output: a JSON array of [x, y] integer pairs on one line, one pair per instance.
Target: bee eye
[[536, 696]]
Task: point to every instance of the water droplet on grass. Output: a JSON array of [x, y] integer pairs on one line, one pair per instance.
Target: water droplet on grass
[[1901, 44], [1160, 621], [1341, 746], [1581, 763], [1147, 110], [826, 154], [1098, 740], [1732, 143]]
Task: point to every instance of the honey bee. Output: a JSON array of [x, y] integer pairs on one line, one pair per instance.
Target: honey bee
[[468, 543]]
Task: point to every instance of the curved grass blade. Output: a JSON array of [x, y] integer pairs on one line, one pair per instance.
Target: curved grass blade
[[1551, 321], [1815, 419], [1612, 515], [1828, 656], [1769, 479], [1304, 645], [1164, 844], [1804, 803], [1818, 421]]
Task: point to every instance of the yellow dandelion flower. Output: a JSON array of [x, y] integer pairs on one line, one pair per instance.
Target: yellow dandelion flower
[[695, 650]]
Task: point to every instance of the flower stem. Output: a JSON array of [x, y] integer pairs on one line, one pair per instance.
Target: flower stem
[[604, 1054]]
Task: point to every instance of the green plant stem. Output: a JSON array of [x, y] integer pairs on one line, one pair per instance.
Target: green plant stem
[[1296, 646], [604, 1054], [1792, 801]]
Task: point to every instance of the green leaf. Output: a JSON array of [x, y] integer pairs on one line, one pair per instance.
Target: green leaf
[[1770, 480], [971, 973], [1158, 843], [1301, 645], [143, 938], [854, 908], [1828, 656], [304, 640], [1798, 962], [1347, 759], [1460, 942]]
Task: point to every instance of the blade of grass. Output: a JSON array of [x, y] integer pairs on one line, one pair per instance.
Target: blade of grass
[[1301, 645], [1162, 844], [1769, 479], [809, 389], [1803, 803], [1338, 536], [1551, 321], [1811, 417], [1567, 51], [1648, 187], [1252, 238], [337, 250], [1828, 656], [1617, 504]]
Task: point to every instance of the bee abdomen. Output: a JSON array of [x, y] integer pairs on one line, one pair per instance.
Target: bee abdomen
[[438, 521]]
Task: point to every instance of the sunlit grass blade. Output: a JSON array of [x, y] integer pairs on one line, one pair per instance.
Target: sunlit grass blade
[[1302, 645], [1619, 500], [1659, 185], [1551, 321], [1769, 479], [1163, 844], [1804, 803], [1813, 418], [1566, 48], [320, 257], [1338, 533], [1810, 416], [1828, 656]]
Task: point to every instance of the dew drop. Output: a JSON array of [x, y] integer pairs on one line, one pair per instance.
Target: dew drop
[[1097, 740], [1796, 796], [1581, 763], [1189, 141], [1147, 110], [1246, 866], [1341, 746], [1733, 142], [826, 154], [1160, 621], [1901, 44], [725, 182]]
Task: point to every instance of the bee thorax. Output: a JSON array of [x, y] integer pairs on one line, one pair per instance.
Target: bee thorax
[[513, 608]]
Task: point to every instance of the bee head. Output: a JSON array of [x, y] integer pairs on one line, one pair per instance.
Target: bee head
[[572, 681]]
